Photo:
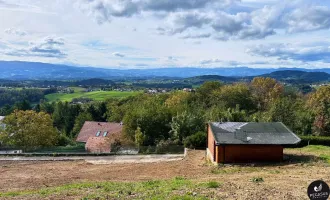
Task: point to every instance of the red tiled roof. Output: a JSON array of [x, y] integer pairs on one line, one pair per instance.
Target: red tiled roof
[[90, 129]]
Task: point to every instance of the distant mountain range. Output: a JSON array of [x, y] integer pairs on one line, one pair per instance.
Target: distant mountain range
[[287, 76], [16, 70]]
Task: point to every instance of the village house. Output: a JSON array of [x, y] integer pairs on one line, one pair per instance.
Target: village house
[[245, 142], [98, 136]]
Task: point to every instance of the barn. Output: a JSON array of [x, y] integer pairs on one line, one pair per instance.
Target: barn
[[246, 142]]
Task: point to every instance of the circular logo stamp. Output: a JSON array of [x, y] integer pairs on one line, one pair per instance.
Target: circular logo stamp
[[318, 190]]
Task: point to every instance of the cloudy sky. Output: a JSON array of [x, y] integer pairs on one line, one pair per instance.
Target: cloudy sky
[[167, 33]]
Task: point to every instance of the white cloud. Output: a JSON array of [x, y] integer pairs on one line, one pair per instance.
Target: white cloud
[[48, 47], [293, 52], [308, 19], [117, 54], [222, 29], [15, 31]]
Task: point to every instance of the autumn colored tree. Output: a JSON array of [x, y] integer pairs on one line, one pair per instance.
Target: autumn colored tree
[[29, 130], [265, 91], [319, 103], [178, 101]]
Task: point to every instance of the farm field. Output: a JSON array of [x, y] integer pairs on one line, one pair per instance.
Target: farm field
[[95, 95], [190, 178]]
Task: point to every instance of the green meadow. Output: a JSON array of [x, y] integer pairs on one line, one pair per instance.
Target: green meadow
[[95, 95]]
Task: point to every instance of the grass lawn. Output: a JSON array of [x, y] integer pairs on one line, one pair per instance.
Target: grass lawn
[[177, 188], [95, 95], [320, 152]]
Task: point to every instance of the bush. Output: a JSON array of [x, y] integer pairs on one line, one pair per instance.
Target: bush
[[314, 140], [197, 140], [64, 140]]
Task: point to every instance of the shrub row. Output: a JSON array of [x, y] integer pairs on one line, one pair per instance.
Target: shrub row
[[313, 140]]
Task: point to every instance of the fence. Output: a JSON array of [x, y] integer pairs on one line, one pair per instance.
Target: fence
[[79, 149]]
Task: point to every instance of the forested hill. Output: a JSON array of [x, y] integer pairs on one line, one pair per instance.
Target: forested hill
[[287, 76], [295, 76], [201, 79]]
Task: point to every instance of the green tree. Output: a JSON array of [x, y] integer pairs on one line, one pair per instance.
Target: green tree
[[204, 93], [282, 110], [79, 122], [233, 95], [47, 107], [6, 110], [64, 116], [24, 105], [29, 130], [139, 137], [197, 140], [186, 124], [151, 115]]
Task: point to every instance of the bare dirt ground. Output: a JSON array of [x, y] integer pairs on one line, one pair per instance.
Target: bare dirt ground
[[288, 180]]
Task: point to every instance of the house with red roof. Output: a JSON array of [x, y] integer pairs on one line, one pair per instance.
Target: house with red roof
[[98, 136]]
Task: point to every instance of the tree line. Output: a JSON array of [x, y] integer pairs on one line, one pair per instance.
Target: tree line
[[180, 117]]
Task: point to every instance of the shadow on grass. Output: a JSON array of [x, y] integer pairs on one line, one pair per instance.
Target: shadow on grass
[[296, 159], [288, 159]]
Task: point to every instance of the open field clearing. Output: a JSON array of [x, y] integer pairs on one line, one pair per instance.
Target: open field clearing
[[190, 178], [95, 95]]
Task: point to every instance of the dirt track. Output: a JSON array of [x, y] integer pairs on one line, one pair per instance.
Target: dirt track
[[284, 181]]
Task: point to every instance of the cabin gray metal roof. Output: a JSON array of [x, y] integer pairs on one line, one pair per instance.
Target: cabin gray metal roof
[[274, 133]]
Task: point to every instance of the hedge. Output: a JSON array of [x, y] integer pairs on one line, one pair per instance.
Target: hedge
[[313, 140], [197, 140]]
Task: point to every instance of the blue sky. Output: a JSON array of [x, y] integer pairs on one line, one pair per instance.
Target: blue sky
[[167, 33]]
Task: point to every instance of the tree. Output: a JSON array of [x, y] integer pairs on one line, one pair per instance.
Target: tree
[[265, 91], [24, 105], [47, 107], [79, 122], [282, 110], [29, 130], [92, 111], [186, 124], [319, 103], [6, 110], [139, 137], [233, 95], [152, 116], [178, 101], [204, 93], [197, 140], [64, 116]]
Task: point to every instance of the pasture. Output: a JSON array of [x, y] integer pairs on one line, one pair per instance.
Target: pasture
[[94, 95]]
